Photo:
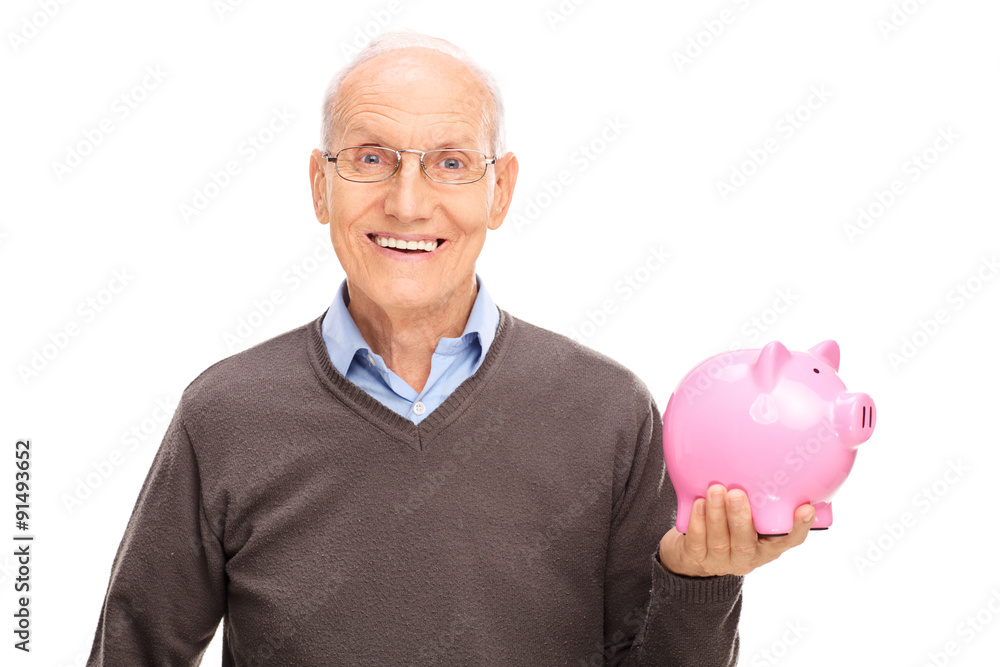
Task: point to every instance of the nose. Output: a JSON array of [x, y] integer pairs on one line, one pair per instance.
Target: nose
[[409, 196], [854, 416]]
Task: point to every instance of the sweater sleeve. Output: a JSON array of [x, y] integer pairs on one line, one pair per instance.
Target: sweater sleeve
[[167, 591], [653, 616]]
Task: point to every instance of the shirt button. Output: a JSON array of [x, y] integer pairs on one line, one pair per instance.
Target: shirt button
[[418, 408], [371, 360]]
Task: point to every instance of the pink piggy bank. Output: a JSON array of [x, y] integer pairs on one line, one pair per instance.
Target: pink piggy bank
[[779, 425]]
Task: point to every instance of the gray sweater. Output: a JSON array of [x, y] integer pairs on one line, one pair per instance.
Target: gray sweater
[[518, 524]]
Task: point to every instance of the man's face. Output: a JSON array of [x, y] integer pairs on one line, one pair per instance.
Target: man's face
[[424, 100]]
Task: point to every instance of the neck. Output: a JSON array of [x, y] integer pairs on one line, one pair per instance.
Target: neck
[[406, 338]]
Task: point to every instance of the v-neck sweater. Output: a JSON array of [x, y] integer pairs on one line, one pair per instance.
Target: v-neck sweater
[[517, 524]]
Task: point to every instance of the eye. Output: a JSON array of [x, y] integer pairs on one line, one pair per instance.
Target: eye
[[371, 158], [815, 370], [451, 163]]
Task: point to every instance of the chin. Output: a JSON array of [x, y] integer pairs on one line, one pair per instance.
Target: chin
[[405, 291]]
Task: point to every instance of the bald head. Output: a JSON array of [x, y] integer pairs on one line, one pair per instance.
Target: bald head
[[408, 66]]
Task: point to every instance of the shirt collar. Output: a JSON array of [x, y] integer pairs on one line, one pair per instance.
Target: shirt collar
[[344, 339]]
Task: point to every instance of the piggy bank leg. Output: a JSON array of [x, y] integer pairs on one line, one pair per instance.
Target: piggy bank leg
[[684, 506], [773, 519], [824, 516]]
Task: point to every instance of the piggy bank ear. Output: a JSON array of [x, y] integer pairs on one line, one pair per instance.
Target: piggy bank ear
[[829, 352], [766, 368]]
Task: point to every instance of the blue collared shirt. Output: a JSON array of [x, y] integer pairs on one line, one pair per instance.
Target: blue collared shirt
[[453, 362]]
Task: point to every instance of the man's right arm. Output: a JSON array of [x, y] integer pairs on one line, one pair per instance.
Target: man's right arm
[[167, 591], [653, 616]]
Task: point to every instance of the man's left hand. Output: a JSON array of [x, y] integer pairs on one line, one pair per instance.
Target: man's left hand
[[721, 538]]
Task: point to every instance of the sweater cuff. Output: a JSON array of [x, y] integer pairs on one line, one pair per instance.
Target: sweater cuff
[[701, 590]]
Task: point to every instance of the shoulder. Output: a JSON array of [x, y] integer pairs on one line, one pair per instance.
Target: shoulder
[[273, 370], [575, 368]]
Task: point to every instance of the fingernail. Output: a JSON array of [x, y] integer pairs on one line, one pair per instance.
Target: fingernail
[[700, 508], [736, 502], [809, 516], [716, 496]]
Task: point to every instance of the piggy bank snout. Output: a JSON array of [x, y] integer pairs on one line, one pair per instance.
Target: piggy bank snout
[[854, 416]]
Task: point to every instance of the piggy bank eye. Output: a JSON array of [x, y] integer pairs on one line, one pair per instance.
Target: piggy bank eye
[[815, 370]]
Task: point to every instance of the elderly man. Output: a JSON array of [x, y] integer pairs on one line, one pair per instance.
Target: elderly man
[[418, 476]]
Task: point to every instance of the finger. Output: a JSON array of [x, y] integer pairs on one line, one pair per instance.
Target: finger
[[742, 534], [717, 526], [694, 542], [804, 517], [773, 547]]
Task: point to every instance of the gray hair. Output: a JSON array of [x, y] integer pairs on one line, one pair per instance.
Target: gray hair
[[403, 39]]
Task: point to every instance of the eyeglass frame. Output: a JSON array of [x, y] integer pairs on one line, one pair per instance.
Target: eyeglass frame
[[399, 161]]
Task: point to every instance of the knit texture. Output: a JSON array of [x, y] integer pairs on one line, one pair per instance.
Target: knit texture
[[517, 524]]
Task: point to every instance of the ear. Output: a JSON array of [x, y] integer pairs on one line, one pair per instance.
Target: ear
[[503, 189], [829, 352], [317, 181], [766, 368]]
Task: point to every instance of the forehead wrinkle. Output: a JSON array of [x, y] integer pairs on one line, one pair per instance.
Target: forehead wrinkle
[[374, 119], [414, 68], [403, 103], [438, 129], [391, 91], [381, 89]]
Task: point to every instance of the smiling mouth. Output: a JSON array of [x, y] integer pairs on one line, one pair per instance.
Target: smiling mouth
[[409, 247]]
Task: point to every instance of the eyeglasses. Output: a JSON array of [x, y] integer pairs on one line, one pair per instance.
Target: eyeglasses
[[371, 164]]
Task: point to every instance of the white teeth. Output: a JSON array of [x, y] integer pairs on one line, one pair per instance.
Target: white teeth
[[389, 242]]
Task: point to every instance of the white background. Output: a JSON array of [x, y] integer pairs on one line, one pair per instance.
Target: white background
[[893, 76]]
